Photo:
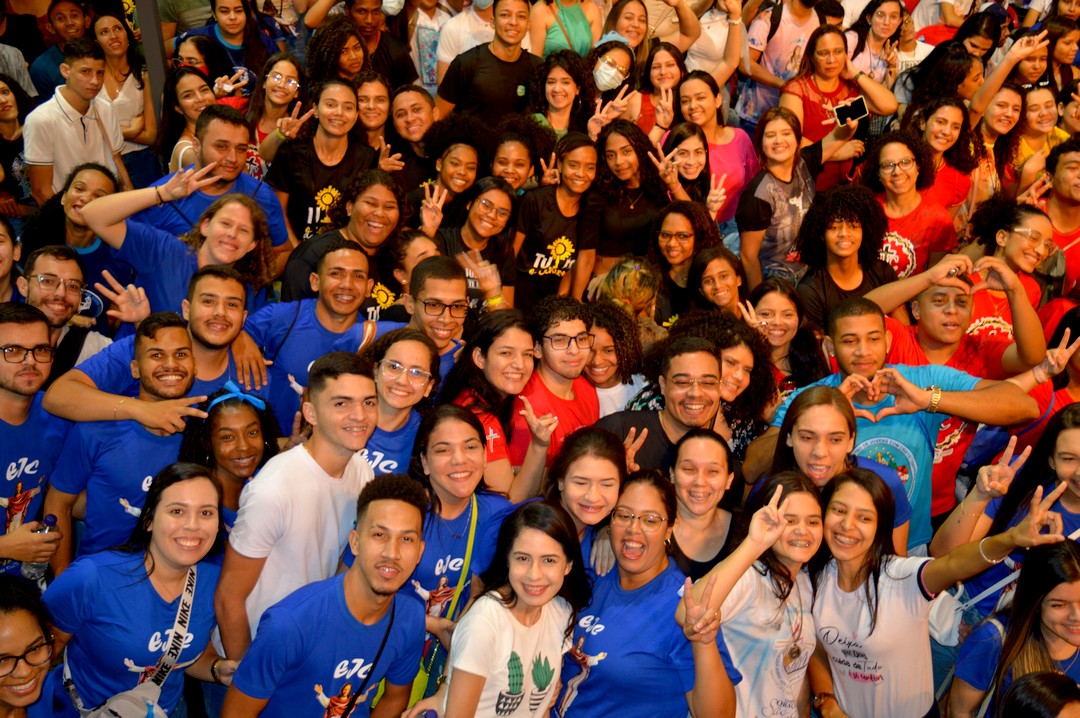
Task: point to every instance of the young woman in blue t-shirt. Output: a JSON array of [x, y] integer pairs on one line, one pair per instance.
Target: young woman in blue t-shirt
[[26, 645]]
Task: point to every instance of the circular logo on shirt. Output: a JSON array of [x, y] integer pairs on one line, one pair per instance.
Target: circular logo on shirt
[[893, 454], [899, 252], [91, 305]]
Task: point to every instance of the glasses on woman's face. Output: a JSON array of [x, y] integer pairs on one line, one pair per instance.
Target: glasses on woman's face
[[888, 168], [680, 237], [1048, 245], [610, 62], [290, 83], [393, 369], [488, 207], [36, 656], [650, 521], [826, 54]]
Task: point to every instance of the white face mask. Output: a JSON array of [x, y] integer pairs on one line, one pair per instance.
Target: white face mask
[[606, 77], [483, 4], [392, 7]]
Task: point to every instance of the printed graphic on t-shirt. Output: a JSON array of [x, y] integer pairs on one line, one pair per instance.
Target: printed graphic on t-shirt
[[335, 705], [894, 455], [586, 662], [382, 295], [558, 261], [991, 326], [949, 435], [899, 252], [319, 214], [17, 504], [852, 659]]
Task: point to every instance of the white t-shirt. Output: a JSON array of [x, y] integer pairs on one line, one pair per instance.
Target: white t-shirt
[[928, 12], [907, 60], [57, 134], [486, 640], [760, 638], [853, 9], [887, 673], [298, 518], [781, 56], [614, 399]]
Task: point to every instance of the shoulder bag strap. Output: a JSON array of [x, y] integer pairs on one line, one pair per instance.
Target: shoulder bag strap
[[378, 654], [180, 628], [985, 705], [468, 560], [554, 7]]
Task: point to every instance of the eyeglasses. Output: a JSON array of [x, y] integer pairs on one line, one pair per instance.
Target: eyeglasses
[[1048, 245], [683, 383], [562, 341], [36, 656], [1035, 85], [882, 17], [393, 369], [291, 83], [617, 67], [15, 354], [488, 207], [434, 308], [650, 522], [50, 282], [888, 168], [822, 54], [680, 237]]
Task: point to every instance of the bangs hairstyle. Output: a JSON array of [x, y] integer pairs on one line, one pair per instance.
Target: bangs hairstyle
[[845, 203], [467, 376], [573, 65], [920, 151], [997, 214], [257, 266], [805, 357], [376, 352], [784, 456], [197, 446], [624, 335], [700, 264], [428, 424], [881, 549], [556, 524], [585, 442]]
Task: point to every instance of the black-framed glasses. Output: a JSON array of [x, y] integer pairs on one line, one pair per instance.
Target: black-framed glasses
[[435, 308], [488, 207], [680, 237], [35, 656], [562, 341], [650, 522], [887, 168], [50, 282], [291, 83], [16, 354], [393, 369]]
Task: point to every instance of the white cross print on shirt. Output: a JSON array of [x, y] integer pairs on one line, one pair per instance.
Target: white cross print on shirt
[[492, 435]]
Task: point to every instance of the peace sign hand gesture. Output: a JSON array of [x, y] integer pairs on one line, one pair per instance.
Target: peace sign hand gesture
[[666, 167], [1056, 359], [1029, 532], [431, 215], [665, 108], [700, 626], [767, 524], [714, 202], [993, 481], [290, 125], [550, 172]]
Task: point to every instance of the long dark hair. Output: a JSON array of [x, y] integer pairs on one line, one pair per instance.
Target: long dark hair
[[804, 355], [1024, 648], [966, 152], [173, 474], [441, 413], [645, 81], [624, 335], [256, 107], [172, 121], [23, 103], [324, 49], [586, 441], [254, 51], [996, 214], [940, 74], [553, 521], [1007, 146], [135, 61], [466, 375], [1038, 695], [861, 27], [881, 549], [612, 188], [574, 65], [806, 67], [784, 455], [49, 223], [698, 266], [697, 189], [984, 25]]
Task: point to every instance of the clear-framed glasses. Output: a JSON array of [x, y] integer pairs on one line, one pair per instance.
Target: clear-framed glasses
[[16, 354], [881, 16], [683, 383], [435, 308], [562, 341], [1048, 244], [49, 282], [887, 168], [290, 83], [650, 522], [680, 237], [823, 54], [37, 655], [488, 207], [393, 369]]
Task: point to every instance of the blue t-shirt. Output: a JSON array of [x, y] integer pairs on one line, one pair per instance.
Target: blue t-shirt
[[902, 442], [390, 452], [28, 456], [110, 370], [120, 626], [586, 554], [311, 639], [629, 651], [178, 216], [114, 462], [291, 350], [235, 53], [97, 258]]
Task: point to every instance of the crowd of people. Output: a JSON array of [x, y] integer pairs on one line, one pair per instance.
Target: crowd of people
[[653, 358]]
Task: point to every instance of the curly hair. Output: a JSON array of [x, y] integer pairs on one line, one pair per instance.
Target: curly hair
[[339, 213], [325, 47], [940, 74], [706, 234], [700, 264], [257, 105], [861, 27], [624, 334], [645, 84], [632, 284], [538, 140], [613, 189], [574, 66], [854, 204], [458, 129], [197, 445], [552, 310], [872, 179], [996, 214], [966, 153], [699, 188], [257, 266], [804, 355]]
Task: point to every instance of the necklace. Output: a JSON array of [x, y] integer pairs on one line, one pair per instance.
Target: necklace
[[635, 200], [464, 531], [1065, 670], [795, 624]]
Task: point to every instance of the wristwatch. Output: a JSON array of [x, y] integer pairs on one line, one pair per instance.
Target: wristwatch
[[822, 698], [935, 398]]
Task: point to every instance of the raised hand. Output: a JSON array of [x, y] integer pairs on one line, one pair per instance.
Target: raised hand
[[486, 273], [129, 304], [1026, 47], [665, 108], [667, 168], [606, 114], [907, 398], [290, 125], [950, 270], [996, 275], [751, 317], [852, 385], [541, 428], [549, 172], [387, 161], [767, 524], [1037, 189], [431, 215], [186, 182], [1056, 359], [993, 481], [700, 626], [169, 416], [1029, 532], [632, 444], [717, 196], [226, 85]]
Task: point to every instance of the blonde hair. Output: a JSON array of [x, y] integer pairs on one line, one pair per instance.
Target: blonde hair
[[633, 284]]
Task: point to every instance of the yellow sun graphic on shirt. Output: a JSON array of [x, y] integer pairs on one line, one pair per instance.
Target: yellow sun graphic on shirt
[[382, 295], [561, 249], [327, 197]]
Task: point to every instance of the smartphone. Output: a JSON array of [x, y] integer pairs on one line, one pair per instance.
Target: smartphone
[[854, 110]]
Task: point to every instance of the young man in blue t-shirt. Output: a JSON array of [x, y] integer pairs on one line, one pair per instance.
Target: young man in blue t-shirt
[[899, 409], [324, 648], [114, 462], [30, 438]]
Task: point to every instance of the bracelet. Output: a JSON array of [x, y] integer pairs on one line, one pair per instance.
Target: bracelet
[[118, 405], [160, 199], [734, 21], [935, 399], [1040, 374], [983, 553], [858, 74], [280, 134], [493, 301], [665, 129], [214, 672]]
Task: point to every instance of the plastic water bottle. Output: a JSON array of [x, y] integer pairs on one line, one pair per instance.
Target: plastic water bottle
[[34, 571]]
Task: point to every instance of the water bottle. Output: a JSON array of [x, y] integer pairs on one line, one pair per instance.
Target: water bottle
[[34, 571]]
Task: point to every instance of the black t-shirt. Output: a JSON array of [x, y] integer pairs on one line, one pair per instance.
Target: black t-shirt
[[23, 34], [296, 279], [657, 451], [453, 210], [626, 229], [552, 242], [313, 187], [499, 251], [417, 169], [480, 84], [672, 302], [16, 174], [391, 59], [819, 293]]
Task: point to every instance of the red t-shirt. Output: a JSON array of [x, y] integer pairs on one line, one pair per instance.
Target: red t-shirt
[[818, 121], [1033, 432], [978, 356], [990, 311], [1070, 244], [950, 188], [911, 239], [1051, 313], [584, 410], [494, 434]]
